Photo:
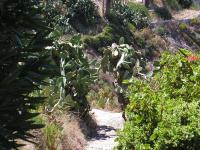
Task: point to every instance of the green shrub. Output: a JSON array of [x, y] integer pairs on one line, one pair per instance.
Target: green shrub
[[164, 111], [163, 12], [140, 8], [195, 6], [110, 34], [134, 13], [161, 31], [100, 40], [132, 28], [195, 22], [82, 10], [183, 27], [185, 3], [173, 4]]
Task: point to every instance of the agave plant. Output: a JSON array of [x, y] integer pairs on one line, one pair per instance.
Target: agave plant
[[23, 63]]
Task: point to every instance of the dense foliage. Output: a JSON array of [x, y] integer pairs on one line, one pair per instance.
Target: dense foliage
[[164, 13], [164, 111], [23, 67], [71, 12], [133, 13], [74, 75], [82, 10], [185, 3], [32, 52]]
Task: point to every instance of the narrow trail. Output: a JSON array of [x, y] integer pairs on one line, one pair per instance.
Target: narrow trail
[[107, 124], [182, 16]]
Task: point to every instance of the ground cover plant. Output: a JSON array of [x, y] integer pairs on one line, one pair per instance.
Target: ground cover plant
[[164, 111]]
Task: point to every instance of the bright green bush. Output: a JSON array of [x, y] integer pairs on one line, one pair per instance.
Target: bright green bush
[[183, 27], [164, 111]]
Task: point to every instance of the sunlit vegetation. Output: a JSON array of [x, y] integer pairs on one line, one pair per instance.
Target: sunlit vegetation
[[164, 109], [60, 58]]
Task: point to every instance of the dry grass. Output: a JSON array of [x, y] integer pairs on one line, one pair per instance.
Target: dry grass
[[75, 131], [146, 34], [160, 42], [73, 137]]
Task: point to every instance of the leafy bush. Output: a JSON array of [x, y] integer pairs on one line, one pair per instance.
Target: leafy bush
[[134, 13], [83, 10], [163, 12], [161, 31], [139, 8], [100, 40], [163, 113], [183, 27], [110, 34], [70, 13], [185, 3], [57, 17]]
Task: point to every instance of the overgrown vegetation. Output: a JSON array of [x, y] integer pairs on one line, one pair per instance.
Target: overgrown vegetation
[[43, 59], [164, 110], [32, 52], [104, 97]]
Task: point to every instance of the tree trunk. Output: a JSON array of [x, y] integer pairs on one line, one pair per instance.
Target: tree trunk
[[107, 6], [146, 3]]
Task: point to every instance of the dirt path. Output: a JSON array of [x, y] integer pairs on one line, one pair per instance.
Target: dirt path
[[186, 14], [108, 123]]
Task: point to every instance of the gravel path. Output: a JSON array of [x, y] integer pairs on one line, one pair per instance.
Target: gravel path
[[186, 14], [107, 124]]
